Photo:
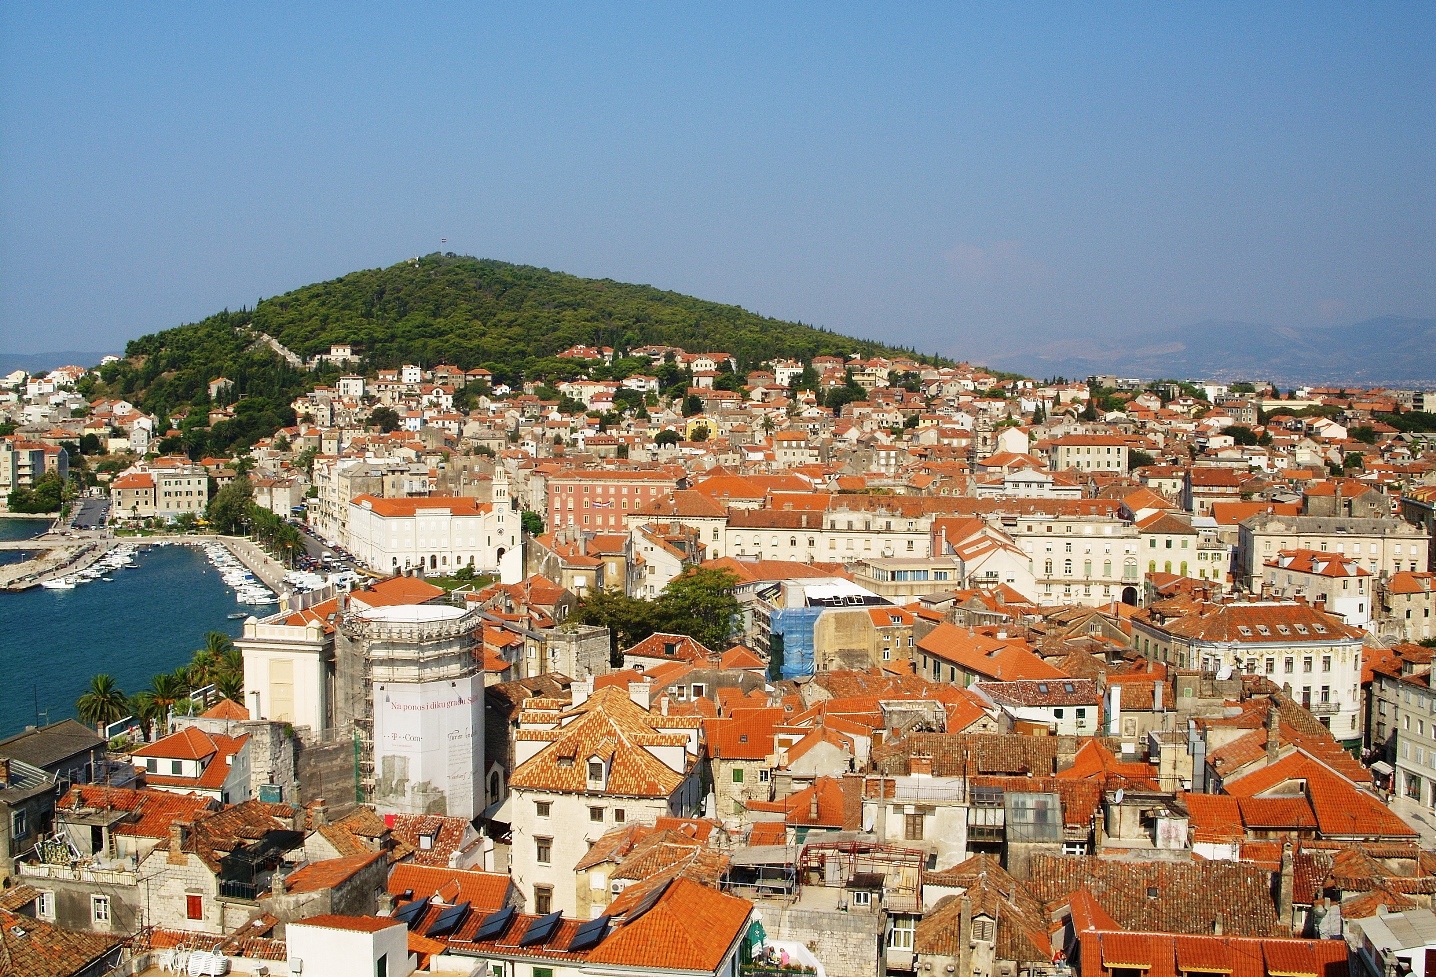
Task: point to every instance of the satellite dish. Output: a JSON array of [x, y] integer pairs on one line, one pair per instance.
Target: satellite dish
[[1224, 673], [1119, 795]]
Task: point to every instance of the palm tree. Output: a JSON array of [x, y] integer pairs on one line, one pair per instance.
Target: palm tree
[[230, 685], [166, 689], [217, 643], [142, 704], [103, 704]]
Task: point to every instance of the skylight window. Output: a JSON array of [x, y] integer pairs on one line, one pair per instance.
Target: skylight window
[[1301, 629], [1245, 631], [1263, 629], [1320, 628], [1283, 629]]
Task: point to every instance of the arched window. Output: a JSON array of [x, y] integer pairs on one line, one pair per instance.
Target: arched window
[[1067, 567], [1048, 568]]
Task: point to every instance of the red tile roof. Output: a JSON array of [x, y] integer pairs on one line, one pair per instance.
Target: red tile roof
[[483, 890]]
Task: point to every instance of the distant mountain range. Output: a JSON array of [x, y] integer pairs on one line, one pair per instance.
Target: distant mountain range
[[1390, 350], [45, 362]]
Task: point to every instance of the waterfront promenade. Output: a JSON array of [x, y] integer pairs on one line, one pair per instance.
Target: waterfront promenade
[[59, 556]]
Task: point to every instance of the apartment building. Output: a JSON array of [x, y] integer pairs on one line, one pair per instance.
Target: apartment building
[[438, 534], [1080, 559], [1385, 546], [1339, 583], [1298, 646], [601, 498], [1088, 453], [581, 770], [1408, 606], [22, 462]]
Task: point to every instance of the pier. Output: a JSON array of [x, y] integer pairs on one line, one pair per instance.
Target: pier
[[55, 561]]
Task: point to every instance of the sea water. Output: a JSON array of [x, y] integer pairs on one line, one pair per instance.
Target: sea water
[[150, 619]]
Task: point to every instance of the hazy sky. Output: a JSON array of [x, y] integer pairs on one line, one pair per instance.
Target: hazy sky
[[959, 178]]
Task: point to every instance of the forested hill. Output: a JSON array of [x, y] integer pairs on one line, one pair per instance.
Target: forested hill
[[468, 312], [471, 312]]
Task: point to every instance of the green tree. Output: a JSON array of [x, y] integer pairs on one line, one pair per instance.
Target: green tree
[[1138, 459], [692, 405], [230, 685], [45, 495], [667, 436], [385, 419], [305, 460], [532, 522], [103, 702], [165, 690], [144, 709], [628, 619], [700, 603], [1364, 433], [229, 511], [700, 433], [1241, 434]]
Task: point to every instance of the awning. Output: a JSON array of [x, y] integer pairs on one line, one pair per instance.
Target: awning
[[1382, 767]]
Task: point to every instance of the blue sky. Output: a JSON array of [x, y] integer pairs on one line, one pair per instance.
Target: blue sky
[[962, 178]]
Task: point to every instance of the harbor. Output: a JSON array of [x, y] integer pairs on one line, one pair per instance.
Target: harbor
[[148, 620], [131, 606]]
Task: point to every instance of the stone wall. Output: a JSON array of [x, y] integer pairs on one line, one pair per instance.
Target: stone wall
[[324, 769], [848, 944]]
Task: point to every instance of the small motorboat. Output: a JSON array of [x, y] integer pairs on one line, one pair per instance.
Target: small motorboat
[[237, 615], [59, 583]]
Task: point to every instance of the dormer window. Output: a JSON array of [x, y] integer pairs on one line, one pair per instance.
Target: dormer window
[[595, 770]]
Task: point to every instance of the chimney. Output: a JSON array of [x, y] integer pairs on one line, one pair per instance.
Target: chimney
[[1273, 733], [4, 771], [663, 704], [641, 693], [1217, 927], [920, 766], [813, 804], [580, 692], [276, 883], [1157, 688], [964, 937], [1286, 886], [319, 814], [179, 833]]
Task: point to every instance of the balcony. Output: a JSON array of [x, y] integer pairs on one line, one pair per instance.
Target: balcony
[[1324, 708]]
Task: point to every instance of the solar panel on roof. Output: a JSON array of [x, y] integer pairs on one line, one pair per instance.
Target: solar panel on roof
[[589, 935], [541, 929], [646, 903], [494, 924], [409, 913], [448, 920]]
